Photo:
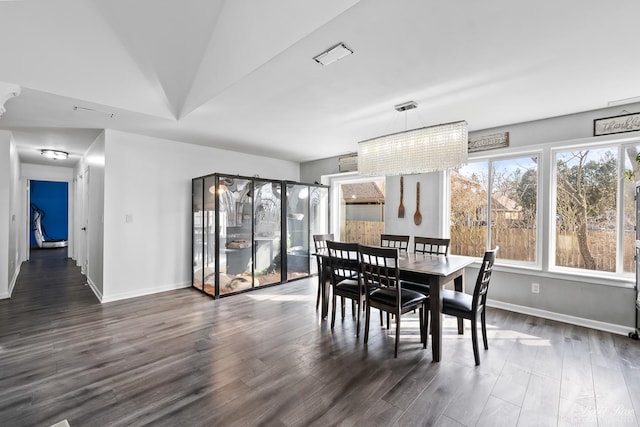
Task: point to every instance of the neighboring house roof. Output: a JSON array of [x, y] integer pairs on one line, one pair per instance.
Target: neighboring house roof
[[365, 192], [499, 201]]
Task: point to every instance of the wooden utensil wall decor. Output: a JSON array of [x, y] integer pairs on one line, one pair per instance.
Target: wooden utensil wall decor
[[401, 207], [417, 217]]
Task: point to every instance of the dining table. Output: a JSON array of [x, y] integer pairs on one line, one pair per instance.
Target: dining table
[[433, 270]]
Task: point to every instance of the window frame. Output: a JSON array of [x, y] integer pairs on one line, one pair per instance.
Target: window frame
[[620, 147], [490, 159]]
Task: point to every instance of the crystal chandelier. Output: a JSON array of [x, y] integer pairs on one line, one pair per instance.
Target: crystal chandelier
[[427, 149]]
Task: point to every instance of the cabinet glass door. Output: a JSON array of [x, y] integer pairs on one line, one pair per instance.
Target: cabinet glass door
[[197, 230], [319, 217], [267, 232], [209, 236], [235, 234], [297, 231]]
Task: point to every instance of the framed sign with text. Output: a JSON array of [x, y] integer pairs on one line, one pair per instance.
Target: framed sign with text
[[488, 142], [616, 124]]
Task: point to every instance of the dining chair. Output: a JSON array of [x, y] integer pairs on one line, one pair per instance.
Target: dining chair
[[320, 243], [425, 245], [344, 264], [431, 245], [465, 306], [399, 241], [383, 290]]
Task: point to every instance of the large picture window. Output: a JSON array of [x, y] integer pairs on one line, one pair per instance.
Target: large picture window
[[495, 203], [592, 230]]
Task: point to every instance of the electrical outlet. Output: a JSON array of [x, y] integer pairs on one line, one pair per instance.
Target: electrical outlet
[[535, 288]]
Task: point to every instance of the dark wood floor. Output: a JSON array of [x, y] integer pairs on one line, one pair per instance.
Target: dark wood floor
[[266, 358]]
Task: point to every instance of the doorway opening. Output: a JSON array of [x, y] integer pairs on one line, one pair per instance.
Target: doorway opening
[[360, 213], [49, 217]]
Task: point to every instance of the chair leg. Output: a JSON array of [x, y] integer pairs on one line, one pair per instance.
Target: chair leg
[[426, 322], [319, 291], [474, 338], [357, 313], [484, 330], [342, 305], [388, 320], [353, 307], [395, 354], [423, 338], [333, 312], [366, 324]]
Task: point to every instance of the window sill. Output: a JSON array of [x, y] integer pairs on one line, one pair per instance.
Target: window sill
[[618, 281]]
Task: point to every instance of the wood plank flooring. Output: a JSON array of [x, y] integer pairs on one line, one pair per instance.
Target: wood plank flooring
[[266, 358]]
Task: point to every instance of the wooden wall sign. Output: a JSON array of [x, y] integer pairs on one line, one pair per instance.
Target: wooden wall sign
[[488, 142], [348, 163], [616, 124]]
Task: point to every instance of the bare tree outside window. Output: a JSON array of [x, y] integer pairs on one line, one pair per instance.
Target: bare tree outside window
[[586, 209]]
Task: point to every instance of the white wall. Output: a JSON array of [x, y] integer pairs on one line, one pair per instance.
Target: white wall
[[431, 208], [16, 212], [148, 180], [46, 173], [5, 210], [90, 175], [10, 258]]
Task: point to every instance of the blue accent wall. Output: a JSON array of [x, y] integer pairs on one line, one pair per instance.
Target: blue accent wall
[[53, 199]]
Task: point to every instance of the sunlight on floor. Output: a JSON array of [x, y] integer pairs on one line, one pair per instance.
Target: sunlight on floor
[[450, 332], [272, 297]]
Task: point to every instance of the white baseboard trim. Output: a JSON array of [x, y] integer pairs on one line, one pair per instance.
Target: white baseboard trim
[[144, 292], [95, 289], [12, 284], [565, 318]]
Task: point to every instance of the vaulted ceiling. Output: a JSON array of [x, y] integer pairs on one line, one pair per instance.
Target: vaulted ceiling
[[239, 74]]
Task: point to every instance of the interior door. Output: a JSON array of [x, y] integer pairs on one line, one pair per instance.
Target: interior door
[[85, 223]]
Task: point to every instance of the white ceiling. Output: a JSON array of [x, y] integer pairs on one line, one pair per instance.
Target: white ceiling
[[239, 74]]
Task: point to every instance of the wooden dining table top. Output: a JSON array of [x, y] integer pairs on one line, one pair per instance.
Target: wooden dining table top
[[437, 265]]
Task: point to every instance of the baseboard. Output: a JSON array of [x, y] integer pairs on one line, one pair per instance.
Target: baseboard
[[144, 292], [95, 289], [12, 283], [565, 318]]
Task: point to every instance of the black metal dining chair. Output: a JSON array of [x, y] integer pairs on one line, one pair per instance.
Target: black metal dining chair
[[320, 243], [465, 306], [383, 290], [344, 265], [399, 241]]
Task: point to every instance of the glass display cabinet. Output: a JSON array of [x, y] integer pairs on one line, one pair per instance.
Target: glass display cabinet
[[250, 232]]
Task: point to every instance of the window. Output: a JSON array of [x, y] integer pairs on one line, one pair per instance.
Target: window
[[589, 219], [495, 203], [592, 230]]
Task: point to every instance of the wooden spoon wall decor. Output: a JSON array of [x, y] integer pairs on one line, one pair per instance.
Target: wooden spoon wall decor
[[401, 207], [417, 217]]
